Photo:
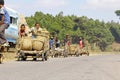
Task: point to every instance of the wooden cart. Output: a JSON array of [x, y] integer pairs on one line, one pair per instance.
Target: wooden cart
[[83, 51], [71, 50], [23, 54]]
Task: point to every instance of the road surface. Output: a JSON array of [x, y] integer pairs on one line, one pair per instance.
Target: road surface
[[99, 67]]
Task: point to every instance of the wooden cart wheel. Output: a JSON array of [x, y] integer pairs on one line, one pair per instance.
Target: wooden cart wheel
[[23, 56], [77, 54], [87, 53], [34, 59], [43, 57], [46, 57]]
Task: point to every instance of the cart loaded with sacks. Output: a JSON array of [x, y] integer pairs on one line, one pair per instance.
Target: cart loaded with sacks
[[71, 50], [28, 47], [76, 50]]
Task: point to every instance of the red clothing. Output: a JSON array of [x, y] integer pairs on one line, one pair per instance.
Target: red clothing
[[81, 44], [68, 43], [21, 33]]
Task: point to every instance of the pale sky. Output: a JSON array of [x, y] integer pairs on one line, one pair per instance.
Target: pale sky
[[96, 9]]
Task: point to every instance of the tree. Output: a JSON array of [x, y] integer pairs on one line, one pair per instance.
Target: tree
[[96, 32], [117, 12]]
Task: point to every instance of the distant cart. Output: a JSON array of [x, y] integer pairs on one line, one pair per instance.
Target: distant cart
[[71, 50], [83, 51], [75, 50], [56, 52]]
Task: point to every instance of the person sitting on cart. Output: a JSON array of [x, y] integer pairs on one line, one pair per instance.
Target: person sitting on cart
[[22, 32], [57, 42], [67, 40], [81, 44], [35, 30], [67, 43]]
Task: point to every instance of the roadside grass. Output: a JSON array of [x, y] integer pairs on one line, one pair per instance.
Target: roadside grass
[[8, 56]]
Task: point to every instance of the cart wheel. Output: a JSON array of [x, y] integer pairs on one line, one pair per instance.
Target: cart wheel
[[77, 55], [34, 59], [24, 58], [87, 53], [65, 53], [43, 57], [80, 54], [8, 48], [56, 55], [46, 58], [19, 58], [2, 49]]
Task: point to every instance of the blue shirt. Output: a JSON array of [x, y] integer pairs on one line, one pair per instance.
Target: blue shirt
[[4, 12], [51, 42]]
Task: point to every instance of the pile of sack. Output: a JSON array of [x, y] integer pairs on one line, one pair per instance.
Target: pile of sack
[[39, 43]]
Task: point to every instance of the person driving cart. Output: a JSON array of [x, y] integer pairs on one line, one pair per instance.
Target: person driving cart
[[36, 30]]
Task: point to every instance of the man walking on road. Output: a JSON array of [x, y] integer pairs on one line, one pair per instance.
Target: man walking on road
[[4, 22]]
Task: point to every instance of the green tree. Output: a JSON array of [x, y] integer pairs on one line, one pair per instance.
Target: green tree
[[117, 12], [96, 32]]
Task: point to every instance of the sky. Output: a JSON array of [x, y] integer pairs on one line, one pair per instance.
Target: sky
[[96, 9]]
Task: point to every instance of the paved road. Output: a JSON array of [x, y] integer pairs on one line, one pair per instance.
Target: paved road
[[99, 67]]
